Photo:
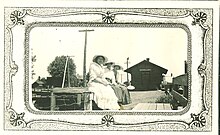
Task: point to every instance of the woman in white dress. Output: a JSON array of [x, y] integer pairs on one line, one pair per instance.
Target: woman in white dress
[[109, 75], [104, 95]]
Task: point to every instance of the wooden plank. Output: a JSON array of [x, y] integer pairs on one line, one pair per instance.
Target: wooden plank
[[88, 97], [159, 106], [167, 106], [52, 102], [182, 100], [146, 106], [70, 90], [79, 98], [152, 106], [141, 106]]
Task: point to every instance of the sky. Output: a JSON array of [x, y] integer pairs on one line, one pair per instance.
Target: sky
[[166, 47]]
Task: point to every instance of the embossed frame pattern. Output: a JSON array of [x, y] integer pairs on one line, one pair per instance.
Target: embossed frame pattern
[[25, 118]]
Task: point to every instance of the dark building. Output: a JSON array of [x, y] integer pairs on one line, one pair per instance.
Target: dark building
[[38, 84], [57, 82], [54, 81], [146, 75]]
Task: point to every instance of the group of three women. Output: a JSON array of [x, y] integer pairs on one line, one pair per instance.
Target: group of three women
[[109, 94]]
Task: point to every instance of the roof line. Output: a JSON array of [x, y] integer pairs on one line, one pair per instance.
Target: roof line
[[144, 61]]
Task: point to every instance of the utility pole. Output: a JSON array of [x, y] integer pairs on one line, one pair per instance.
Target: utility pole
[[127, 68], [84, 60], [68, 74], [64, 74]]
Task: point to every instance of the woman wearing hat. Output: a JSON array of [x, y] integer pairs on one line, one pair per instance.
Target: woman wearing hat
[[104, 95], [109, 75], [126, 99]]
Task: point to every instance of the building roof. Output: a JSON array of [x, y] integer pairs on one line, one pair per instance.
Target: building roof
[[147, 62], [181, 80], [39, 82]]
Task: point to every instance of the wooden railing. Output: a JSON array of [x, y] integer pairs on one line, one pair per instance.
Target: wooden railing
[[179, 92], [79, 96]]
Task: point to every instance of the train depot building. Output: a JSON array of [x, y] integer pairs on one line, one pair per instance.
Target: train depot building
[[146, 75]]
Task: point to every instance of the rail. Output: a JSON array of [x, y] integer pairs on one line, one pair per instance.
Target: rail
[[69, 96], [179, 92]]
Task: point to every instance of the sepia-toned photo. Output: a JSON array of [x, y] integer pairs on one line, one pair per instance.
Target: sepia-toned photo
[[110, 69], [138, 69]]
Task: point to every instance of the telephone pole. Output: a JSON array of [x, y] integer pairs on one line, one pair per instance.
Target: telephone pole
[[84, 60], [64, 74], [127, 68], [66, 69]]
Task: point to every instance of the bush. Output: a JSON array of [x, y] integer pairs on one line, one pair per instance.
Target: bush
[[164, 99]]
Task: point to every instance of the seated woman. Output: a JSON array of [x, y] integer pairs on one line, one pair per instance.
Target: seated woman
[[126, 99], [104, 95], [109, 76]]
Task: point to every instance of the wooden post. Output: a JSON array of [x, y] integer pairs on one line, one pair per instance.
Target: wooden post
[[84, 60], [88, 100], [79, 98], [127, 72], [52, 101]]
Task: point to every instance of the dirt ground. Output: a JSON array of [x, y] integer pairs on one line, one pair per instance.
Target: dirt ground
[[143, 97]]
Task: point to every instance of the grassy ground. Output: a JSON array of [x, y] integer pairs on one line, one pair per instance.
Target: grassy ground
[[143, 97]]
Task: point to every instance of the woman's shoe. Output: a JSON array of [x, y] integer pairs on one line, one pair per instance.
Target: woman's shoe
[[121, 107]]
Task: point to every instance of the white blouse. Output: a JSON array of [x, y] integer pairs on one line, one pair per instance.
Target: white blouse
[[96, 73], [110, 74]]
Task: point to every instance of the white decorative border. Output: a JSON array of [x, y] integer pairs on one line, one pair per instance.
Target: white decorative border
[[196, 118]]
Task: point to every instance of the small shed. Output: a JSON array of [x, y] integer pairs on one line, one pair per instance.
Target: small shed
[[38, 85], [146, 75]]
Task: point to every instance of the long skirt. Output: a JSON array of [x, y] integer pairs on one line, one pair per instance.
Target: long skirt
[[104, 96], [126, 99], [122, 94], [118, 92]]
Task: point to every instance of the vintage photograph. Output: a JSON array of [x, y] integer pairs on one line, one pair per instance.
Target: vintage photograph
[[140, 67], [107, 68]]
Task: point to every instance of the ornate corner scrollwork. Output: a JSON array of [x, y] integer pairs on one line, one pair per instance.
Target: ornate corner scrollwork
[[108, 120], [17, 17], [108, 17], [199, 18], [17, 119], [198, 120]]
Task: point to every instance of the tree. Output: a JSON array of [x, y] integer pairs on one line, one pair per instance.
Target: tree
[[57, 67]]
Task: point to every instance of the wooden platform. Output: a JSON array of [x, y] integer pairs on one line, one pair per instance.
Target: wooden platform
[[152, 106], [79, 92]]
